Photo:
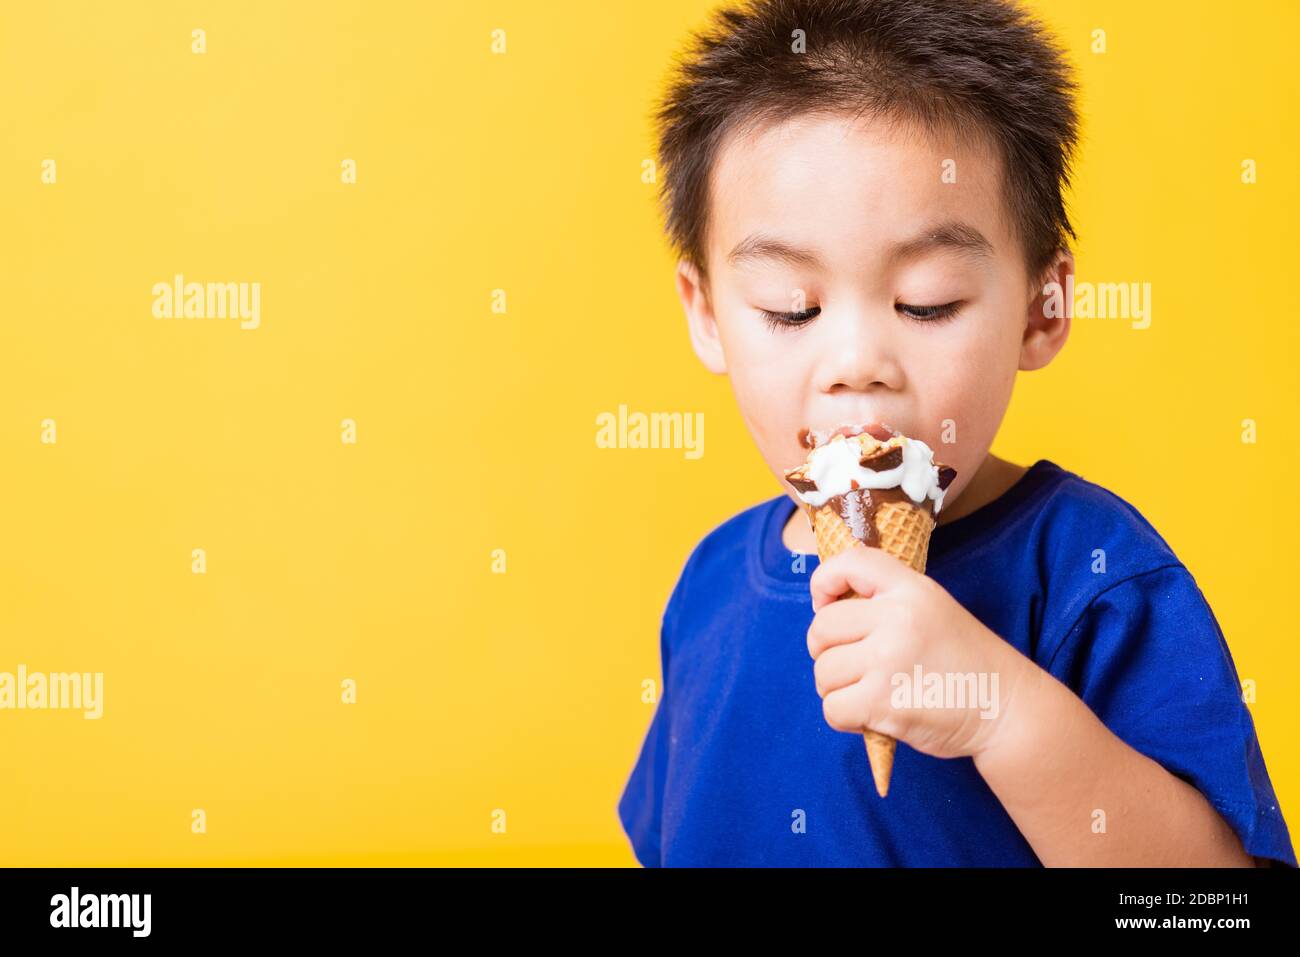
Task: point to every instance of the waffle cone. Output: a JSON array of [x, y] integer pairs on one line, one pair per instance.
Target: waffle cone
[[904, 532]]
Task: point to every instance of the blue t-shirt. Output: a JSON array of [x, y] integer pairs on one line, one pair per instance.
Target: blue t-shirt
[[740, 768]]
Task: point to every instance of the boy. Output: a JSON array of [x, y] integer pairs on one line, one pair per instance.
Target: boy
[[867, 197]]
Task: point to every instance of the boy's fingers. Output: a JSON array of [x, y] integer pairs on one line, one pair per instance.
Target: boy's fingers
[[861, 569], [837, 667], [845, 708], [839, 623]]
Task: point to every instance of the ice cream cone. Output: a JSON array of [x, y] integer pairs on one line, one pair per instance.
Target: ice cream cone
[[870, 485], [903, 530]]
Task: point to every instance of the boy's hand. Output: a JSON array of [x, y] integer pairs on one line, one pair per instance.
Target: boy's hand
[[867, 649]]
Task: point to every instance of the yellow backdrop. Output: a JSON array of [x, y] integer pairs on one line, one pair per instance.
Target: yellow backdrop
[[491, 282]]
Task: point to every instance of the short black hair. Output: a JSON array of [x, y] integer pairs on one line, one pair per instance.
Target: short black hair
[[982, 68]]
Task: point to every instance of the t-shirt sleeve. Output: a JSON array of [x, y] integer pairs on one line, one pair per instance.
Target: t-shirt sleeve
[[1148, 657], [641, 807]]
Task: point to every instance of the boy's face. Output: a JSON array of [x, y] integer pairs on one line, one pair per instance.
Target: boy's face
[[922, 306]]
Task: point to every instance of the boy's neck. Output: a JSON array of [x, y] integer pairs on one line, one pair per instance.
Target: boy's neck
[[992, 478]]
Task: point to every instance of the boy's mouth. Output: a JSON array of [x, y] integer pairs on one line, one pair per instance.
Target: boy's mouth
[[815, 438]]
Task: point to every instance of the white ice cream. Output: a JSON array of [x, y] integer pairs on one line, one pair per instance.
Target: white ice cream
[[836, 465]]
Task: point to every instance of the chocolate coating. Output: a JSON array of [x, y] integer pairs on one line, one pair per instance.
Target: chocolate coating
[[858, 508]]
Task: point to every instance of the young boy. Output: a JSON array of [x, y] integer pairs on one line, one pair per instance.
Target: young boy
[[867, 198]]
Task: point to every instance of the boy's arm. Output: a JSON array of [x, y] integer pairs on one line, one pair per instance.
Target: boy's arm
[[1054, 766]]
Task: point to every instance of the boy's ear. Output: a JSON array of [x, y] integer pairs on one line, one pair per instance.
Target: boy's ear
[[1051, 304], [699, 318]]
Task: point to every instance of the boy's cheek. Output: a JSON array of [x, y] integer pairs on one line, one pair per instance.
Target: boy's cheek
[[766, 380]]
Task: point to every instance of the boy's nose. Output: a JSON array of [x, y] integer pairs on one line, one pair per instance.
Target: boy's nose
[[860, 356]]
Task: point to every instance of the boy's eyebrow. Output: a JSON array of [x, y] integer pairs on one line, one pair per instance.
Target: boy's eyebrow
[[947, 235], [757, 246]]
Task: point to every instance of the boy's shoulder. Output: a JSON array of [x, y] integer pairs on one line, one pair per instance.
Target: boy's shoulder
[[722, 568], [1080, 518], [728, 540], [726, 545], [1091, 554]]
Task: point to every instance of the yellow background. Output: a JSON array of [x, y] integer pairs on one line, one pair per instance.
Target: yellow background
[[520, 171]]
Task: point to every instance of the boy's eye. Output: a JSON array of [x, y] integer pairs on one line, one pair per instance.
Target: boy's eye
[[928, 313], [793, 320], [789, 320]]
